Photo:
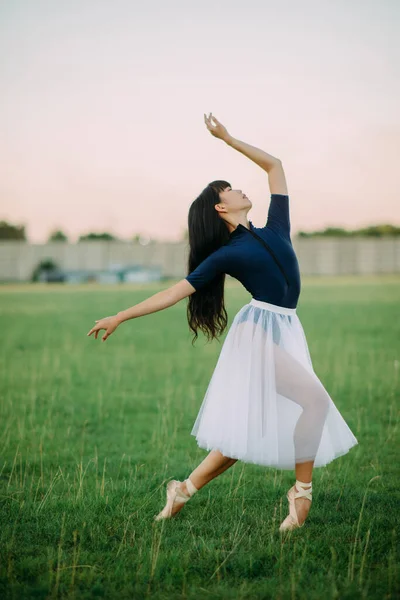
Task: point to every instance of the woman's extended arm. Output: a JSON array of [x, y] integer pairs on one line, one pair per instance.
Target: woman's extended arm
[[154, 303], [158, 301], [260, 157], [270, 164]]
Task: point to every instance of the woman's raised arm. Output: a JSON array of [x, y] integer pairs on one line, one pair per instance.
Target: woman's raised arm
[[154, 303], [270, 164]]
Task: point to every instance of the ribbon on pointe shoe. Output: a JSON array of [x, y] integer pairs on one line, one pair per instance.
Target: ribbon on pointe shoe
[[191, 488], [304, 493]]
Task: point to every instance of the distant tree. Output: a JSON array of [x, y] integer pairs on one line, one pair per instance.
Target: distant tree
[[329, 231], [97, 236], [46, 265], [58, 236], [11, 232], [379, 230], [336, 231]]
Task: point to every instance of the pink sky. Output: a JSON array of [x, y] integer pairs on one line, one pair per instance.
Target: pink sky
[[101, 110]]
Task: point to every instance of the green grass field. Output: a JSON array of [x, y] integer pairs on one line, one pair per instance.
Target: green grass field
[[91, 432]]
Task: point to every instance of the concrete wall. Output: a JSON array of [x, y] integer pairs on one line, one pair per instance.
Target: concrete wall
[[323, 256]]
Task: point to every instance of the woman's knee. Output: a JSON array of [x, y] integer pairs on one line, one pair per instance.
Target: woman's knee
[[315, 398], [322, 401], [298, 384]]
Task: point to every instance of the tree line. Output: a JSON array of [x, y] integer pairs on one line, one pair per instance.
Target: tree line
[[371, 231], [9, 231]]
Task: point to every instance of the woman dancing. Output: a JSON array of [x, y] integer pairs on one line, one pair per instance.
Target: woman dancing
[[264, 403]]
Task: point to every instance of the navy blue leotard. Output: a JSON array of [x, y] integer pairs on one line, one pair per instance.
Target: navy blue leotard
[[247, 260]]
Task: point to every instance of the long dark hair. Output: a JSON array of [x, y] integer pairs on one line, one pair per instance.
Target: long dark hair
[[207, 232]]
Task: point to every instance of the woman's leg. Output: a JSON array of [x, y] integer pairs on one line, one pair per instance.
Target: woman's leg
[[296, 383], [213, 465]]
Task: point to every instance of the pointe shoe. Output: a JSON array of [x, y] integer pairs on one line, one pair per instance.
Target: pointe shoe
[[175, 496], [292, 521]]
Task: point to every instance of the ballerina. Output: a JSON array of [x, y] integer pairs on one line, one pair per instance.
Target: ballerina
[[264, 403]]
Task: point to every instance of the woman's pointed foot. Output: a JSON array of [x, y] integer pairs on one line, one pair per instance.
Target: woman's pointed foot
[[178, 493], [300, 498]]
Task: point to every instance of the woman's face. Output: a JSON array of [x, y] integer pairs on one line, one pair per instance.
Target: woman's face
[[234, 200]]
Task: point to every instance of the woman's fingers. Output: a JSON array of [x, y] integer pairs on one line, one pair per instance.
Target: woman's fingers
[[95, 330], [106, 335], [210, 126]]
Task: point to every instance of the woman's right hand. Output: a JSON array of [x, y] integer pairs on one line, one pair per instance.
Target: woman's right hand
[[110, 324], [218, 130]]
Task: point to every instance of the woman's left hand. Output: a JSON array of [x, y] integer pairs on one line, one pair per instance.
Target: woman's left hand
[[218, 130], [110, 324]]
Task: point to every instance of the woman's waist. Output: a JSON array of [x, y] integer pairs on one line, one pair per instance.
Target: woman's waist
[[284, 310]]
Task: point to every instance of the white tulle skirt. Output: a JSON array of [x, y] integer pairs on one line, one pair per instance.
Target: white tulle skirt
[[264, 403]]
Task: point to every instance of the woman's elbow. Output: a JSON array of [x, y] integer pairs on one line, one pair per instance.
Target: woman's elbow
[[179, 291]]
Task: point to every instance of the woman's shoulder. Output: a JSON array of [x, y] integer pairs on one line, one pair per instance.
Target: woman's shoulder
[[219, 256]]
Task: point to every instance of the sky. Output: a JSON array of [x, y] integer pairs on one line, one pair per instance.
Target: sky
[[102, 103]]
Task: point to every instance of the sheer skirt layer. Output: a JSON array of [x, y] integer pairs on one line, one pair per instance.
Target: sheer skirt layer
[[264, 403]]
